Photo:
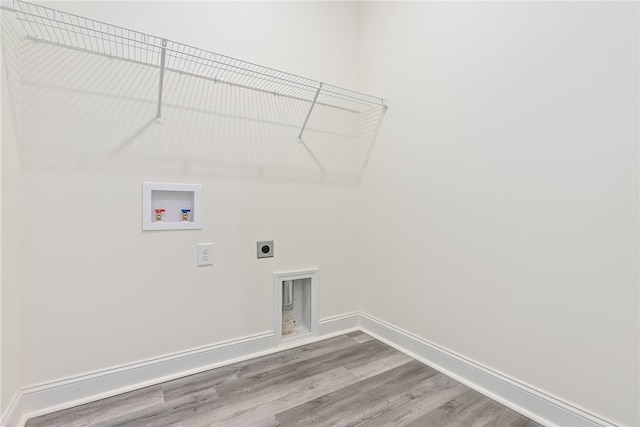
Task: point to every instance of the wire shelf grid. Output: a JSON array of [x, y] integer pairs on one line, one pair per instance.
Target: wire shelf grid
[[50, 25], [246, 113]]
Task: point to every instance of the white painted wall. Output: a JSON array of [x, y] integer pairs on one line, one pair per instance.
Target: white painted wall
[[10, 219], [103, 293], [498, 217], [499, 214]]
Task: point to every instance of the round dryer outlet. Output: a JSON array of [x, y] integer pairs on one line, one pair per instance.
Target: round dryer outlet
[[265, 249]]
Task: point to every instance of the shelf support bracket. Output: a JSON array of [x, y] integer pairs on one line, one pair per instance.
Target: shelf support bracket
[[163, 54], [304, 125]]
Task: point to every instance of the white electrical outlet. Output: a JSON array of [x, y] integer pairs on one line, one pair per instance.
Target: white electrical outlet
[[205, 253]]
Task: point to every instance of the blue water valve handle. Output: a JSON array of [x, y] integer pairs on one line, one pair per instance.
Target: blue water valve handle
[[185, 214]]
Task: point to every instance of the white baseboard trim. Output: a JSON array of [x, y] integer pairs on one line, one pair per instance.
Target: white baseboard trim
[[338, 324], [13, 413], [56, 395], [535, 404]]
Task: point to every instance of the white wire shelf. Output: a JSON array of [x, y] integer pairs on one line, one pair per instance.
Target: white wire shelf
[[61, 28], [337, 126]]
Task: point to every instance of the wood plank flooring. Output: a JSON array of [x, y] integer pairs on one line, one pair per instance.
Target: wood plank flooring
[[349, 380]]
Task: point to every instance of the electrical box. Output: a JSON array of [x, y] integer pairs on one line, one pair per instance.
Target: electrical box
[[265, 249]]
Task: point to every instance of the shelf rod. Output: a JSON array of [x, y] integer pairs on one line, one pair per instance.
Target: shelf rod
[[85, 29], [212, 79], [163, 55], [313, 103]]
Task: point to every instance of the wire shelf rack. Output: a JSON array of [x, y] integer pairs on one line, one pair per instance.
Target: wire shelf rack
[[50, 25], [65, 30]]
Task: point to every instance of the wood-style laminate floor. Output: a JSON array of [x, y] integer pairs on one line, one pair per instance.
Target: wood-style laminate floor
[[349, 380]]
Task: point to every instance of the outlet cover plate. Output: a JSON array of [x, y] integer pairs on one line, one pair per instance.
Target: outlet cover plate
[[265, 249], [205, 254]]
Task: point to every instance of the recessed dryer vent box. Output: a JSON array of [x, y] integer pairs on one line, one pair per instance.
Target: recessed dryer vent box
[[171, 206], [295, 312]]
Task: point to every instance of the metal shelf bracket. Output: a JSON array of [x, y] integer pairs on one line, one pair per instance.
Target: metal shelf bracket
[[313, 103], [163, 55]]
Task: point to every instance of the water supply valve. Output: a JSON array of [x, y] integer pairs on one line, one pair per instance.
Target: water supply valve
[[159, 213]]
